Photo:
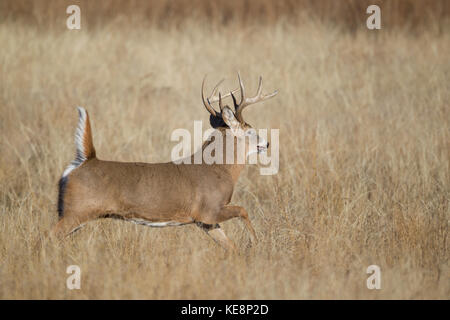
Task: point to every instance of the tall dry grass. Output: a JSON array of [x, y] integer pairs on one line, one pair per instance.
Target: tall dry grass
[[364, 157], [412, 14]]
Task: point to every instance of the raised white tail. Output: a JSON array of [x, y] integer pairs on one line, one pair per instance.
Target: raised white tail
[[83, 142]]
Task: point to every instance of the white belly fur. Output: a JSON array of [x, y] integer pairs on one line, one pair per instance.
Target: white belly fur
[[156, 224]]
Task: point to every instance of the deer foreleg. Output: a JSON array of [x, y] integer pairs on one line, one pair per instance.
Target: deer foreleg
[[217, 234], [230, 212]]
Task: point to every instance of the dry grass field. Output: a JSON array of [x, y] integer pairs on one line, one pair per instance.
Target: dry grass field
[[364, 150]]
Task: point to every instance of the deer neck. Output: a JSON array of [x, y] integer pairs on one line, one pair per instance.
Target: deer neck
[[233, 170]]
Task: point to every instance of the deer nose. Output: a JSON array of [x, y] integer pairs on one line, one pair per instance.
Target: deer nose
[[267, 144]]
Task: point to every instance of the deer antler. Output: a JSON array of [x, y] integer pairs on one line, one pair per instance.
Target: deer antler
[[245, 102], [207, 101]]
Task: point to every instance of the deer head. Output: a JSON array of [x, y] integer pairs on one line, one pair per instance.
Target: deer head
[[229, 120]]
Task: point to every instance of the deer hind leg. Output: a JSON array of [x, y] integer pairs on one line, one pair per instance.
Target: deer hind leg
[[217, 234], [229, 212], [68, 225]]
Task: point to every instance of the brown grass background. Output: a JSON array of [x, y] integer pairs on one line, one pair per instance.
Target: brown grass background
[[364, 145]]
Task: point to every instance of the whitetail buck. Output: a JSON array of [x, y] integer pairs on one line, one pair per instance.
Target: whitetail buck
[[159, 194]]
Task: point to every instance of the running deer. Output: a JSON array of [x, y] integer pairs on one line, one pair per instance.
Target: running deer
[[160, 194]]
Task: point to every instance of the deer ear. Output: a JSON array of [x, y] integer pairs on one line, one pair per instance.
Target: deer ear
[[230, 119]]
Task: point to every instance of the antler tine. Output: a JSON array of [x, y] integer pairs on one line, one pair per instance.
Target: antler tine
[[236, 106], [220, 102], [259, 96], [259, 86], [206, 101], [213, 98], [213, 93], [241, 85], [248, 101]]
